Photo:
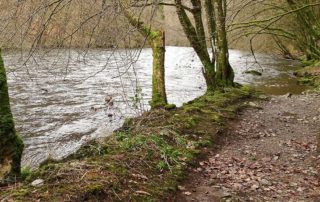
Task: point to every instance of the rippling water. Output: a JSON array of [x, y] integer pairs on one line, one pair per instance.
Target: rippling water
[[58, 98]]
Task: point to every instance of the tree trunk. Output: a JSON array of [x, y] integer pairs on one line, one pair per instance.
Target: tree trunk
[[156, 40], [197, 40], [211, 26], [224, 71], [159, 96], [11, 145]]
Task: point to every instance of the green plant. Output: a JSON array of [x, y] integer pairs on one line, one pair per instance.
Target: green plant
[[25, 173]]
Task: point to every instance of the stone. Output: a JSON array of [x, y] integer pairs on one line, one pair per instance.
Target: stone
[[37, 183], [275, 158], [288, 95], [225, 194], [252, 104], [181, 188], [255, 187], [263, 97], [187, 193], [300, 189], [265, 182]]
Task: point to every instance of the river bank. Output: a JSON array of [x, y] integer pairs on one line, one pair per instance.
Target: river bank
[[143, 160]]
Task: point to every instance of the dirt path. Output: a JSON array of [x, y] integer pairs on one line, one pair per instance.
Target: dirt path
[[268, 155]]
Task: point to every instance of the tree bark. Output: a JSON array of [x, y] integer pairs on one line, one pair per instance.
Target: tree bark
[[197, 40], [159, 96], [211, 26], [224, 71], [156, 40], [11, 145]]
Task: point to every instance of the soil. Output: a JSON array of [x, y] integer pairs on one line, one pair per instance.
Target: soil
[[268, 154]]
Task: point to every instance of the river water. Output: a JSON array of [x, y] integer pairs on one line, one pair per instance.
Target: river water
[[58, 97]]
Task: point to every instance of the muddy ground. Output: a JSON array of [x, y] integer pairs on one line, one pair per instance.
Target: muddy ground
[[268, 154]]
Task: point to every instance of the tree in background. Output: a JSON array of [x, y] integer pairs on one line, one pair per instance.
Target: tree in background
[[217, 71], [293, 24], [308, 33], [11, 146]]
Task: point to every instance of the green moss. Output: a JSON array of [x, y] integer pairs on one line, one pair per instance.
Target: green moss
[[306, 81], [191, 122], [215, 117], [154, 34], [191, 108], [26, 172], [90, 149], [310, 76], [22, 193], [204, 143], [147, 31], [94, 189], [157, 100], [307, 62], [170, 106]]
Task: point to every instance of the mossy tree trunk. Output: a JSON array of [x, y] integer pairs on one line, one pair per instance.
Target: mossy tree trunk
[[11, 146], [224, 71], [156, 39], [217, 72], [159, 96], [211, 26], [197, 39]]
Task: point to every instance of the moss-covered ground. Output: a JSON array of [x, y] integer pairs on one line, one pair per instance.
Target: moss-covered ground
[[142, 161]]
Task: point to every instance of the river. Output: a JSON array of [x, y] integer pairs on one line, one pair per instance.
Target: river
[[58, 97]]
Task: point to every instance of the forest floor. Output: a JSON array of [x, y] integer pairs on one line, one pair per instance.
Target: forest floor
[[268, 154]]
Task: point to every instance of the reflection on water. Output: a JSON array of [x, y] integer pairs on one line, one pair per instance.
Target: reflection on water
[[58, 99], [280, 85]]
